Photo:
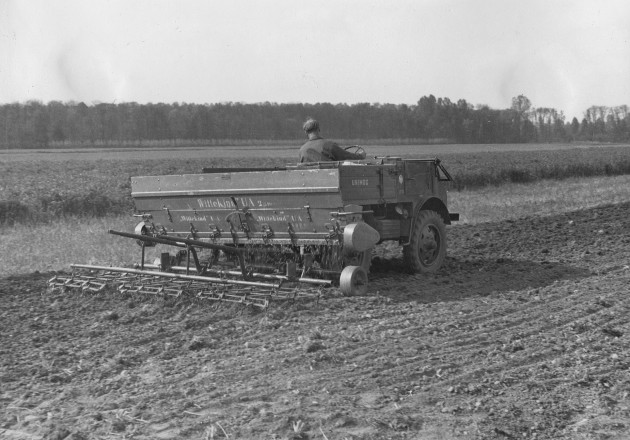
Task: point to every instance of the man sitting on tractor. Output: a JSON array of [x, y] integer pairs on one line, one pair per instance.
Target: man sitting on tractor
[[318, 149]]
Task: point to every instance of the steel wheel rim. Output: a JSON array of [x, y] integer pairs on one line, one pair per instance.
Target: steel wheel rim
[[359, 282]]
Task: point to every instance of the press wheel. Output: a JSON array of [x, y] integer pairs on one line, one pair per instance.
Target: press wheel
[[353, 281]]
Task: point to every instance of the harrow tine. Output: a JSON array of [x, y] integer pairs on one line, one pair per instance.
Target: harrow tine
[[93, 286]]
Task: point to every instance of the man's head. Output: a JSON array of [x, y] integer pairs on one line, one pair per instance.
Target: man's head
[[311, 126]]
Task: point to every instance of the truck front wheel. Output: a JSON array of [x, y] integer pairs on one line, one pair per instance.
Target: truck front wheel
[[426, 250]]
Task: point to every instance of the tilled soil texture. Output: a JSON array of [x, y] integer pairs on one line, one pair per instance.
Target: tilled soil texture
[[523, 334]]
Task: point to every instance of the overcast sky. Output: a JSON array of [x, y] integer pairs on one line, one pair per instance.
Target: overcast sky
[[568, 55]]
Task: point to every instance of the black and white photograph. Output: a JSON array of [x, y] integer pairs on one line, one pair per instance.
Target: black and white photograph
[[323, 219]]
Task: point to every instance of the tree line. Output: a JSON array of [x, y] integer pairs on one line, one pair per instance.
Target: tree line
[[34, 124]]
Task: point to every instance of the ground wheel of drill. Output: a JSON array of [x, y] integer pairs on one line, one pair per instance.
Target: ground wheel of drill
[[353, 281], [426, 250]]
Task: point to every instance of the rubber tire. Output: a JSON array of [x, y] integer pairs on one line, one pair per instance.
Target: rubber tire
[[428, 227], [353, 281]]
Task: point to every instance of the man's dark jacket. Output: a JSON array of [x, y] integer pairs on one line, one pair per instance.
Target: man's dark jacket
[[322, 150]]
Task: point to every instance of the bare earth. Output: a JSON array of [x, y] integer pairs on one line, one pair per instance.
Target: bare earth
[[523, 334]]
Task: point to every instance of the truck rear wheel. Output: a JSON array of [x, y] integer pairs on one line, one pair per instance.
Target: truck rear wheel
[[426, 250]]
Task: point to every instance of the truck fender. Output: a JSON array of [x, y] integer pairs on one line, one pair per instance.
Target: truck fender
[[431, 204]]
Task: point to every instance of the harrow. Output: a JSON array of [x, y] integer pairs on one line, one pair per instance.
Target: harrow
[[203, 281], [125, 280]]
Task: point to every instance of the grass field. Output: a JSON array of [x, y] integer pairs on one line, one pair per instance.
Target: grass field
[[54, 212], [49, 185], [56, 245], [286, 153]]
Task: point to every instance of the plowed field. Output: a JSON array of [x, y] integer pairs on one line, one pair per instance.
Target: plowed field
[[523, 334]]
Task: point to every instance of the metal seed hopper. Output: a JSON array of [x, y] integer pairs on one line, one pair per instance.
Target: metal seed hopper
[[255, 234]]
